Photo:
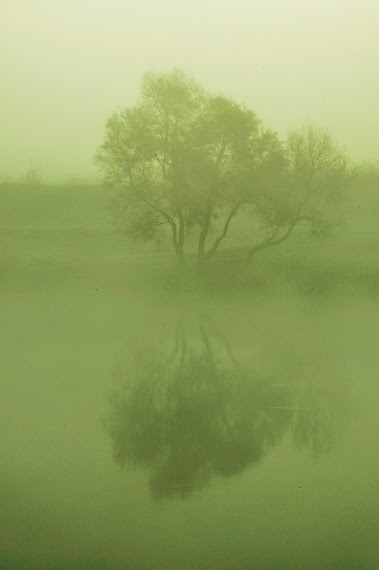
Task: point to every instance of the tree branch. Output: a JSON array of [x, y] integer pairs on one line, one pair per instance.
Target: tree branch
[[272, 241], [166, 216], [169, 219], [217, 242]]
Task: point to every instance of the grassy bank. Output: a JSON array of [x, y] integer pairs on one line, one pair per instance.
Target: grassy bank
[[63, 239]]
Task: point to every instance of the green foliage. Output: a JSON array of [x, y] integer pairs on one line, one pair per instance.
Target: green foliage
[[191, 162]]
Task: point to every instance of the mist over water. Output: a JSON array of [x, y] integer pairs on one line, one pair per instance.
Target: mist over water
[[148, 427]]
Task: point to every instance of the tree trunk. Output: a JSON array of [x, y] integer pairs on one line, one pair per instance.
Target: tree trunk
[[203, 234], [180, 243], [205, 256], [180, 256]]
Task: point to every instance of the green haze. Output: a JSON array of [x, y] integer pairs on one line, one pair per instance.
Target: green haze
[[150, 426], [188, 284]]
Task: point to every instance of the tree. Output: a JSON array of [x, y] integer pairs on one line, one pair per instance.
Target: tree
[[309, 191], [181, 158], [33, 175], [190, 162]]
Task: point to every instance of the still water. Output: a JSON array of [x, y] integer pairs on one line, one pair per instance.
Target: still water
[[143, 433]]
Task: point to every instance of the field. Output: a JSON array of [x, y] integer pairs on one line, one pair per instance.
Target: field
[[63, 238]]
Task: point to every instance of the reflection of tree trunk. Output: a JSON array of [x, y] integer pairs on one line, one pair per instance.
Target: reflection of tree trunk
[[207, 344], [228, 348], [224, 341], [180, 345], [183, 340], [180, 351]]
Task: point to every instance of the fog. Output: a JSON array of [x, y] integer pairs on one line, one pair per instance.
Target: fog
[[147, 425], [167, 403], [66, 66]]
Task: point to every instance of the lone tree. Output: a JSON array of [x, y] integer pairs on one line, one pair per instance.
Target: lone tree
[[191, 162]]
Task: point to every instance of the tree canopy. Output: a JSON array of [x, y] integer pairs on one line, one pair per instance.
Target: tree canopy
[[190, 162]]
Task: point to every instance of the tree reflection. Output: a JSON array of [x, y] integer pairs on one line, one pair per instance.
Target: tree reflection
[[197, 412]]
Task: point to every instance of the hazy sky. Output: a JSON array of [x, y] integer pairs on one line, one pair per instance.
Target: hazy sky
[[66, 65]]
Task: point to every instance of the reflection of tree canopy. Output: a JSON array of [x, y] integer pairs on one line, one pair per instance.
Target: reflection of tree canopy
[[313, 425], [191, 415]]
